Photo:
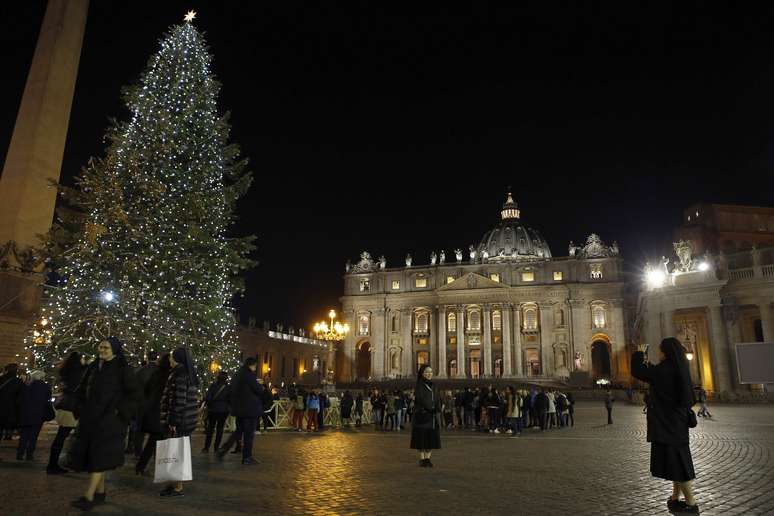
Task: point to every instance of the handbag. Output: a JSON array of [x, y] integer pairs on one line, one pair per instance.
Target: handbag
[[50, 412], [173, 460], [692, 421]]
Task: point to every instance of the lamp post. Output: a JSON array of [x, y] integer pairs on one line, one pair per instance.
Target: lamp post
[[331, 333]]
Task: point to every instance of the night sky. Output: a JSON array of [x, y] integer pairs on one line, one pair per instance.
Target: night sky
[[398, 128]]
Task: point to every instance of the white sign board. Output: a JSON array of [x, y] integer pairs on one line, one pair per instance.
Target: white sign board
[[755, 362]]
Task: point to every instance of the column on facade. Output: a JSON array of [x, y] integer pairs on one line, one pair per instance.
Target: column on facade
[[734, 333], [620, 358], [580, 332], [719, 345], [506, 326], [518, 354], [487, 315], [433, 341], [461, 342], [407, 354], [377, 343], [442, 342], [652, 330], [668, 323], [546, 337], [767, 320], [347, 369]]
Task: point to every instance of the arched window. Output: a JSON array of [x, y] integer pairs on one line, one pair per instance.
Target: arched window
[[560, 317], [364, 325], [394, 323], [451, 325], [420, 322], [497, 320], [598, 315], [474, 320], [530, 318]]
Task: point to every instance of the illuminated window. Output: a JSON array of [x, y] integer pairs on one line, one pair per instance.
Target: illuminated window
[[365, 285], [395, 285], [527, 276], [453, 340], [364, 326], [422, 341], [596, 271], [452, 322], [557, 275], [474, 320], [449, 279], [530, 318], [494, 277], [598, 316], [420, 322], [420, 282], [497, 320]]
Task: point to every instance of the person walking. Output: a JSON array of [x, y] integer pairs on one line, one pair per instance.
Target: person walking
[[312, 408], [400, 408], [216, 401], [359, 409], [541, 409], [70, 374], [346, 409], [609, 400], [703, 410], [299, 406], [571, 408], [551, 421], [34, 410], [180, 404], [246, 406], [267, 400], [106, 399], [151, 415], [10, 390], [669, 417], [425, 427], [143, 376]]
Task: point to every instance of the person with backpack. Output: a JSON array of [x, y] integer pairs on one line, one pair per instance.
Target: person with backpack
[[299, 406], [216, 403], [312, 409]]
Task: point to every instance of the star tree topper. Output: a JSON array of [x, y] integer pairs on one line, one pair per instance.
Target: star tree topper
[[189, 16]]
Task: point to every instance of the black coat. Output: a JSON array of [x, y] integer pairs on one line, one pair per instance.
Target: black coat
[[346, 406], [180, 402], [150, 422], [427, 406], [246, 394], [69, 380], [9, 400], [217, 398], [667, 419], [541, 402], [107, 399], [35, 403]]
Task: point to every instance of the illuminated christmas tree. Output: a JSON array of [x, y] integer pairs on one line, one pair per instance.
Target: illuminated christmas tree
[[142, 253]]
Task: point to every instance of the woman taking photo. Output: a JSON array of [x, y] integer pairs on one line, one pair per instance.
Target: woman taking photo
[[425, 428], [70, 375], [669, 411]]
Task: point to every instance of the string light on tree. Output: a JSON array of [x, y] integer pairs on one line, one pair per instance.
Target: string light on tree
[[150, 220]]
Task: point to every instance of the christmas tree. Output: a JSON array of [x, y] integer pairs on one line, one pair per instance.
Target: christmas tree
[[141, 251]]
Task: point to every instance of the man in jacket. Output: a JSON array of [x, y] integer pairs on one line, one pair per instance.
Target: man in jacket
[[246, 407], [541, 408]]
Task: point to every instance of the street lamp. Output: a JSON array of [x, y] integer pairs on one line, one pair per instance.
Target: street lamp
[[336, 330], [689, 355]]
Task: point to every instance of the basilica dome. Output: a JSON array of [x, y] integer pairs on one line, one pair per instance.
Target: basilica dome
[[511, 240]]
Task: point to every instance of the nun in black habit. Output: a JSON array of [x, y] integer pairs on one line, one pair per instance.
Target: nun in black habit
[[425, 427]]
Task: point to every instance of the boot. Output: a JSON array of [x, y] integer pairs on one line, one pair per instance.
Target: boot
[[53, 467]]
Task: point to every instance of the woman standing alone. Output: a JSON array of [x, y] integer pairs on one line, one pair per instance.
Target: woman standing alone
[[670, 401], [425, 428]]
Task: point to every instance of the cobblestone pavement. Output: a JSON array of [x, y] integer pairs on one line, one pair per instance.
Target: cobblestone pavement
[[592, 468]]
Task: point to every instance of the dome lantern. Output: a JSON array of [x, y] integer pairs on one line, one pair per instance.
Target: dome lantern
[[510, 210]]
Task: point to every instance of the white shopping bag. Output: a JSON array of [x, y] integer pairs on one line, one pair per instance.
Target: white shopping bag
[[173, 460]]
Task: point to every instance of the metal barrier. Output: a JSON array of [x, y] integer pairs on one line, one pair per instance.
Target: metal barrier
[[281, 414]]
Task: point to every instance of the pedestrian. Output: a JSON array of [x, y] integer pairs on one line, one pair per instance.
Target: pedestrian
[[359, 409], [151, 415], [492, 403], [448, 410], [143, 376], [561, 409], [216, 402], [312, 409], [425, 427], [180, 404], [325, 403], [106, 399], [513, 410], [346, 409], [571, 408], [541, 409], [669, 416], [609, 400], [267, 400], [703, 410], [400, 408], [551, 421], [246, 406], [70, 373], [34, 410], [299, 406], [390, 411], [459, 404], [10, 390]]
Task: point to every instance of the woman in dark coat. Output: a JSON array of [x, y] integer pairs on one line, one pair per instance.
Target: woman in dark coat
[[346, 408], [150, 423], [180, 404], [216, 401], [425, 429], [670, 400], [10, 389], [34, 410], [70, 376], [106, 400]]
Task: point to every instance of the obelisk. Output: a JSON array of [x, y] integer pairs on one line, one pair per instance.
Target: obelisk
[[34, 159]]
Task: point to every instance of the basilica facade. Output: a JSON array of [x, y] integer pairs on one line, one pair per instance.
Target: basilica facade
[[505, 307]]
